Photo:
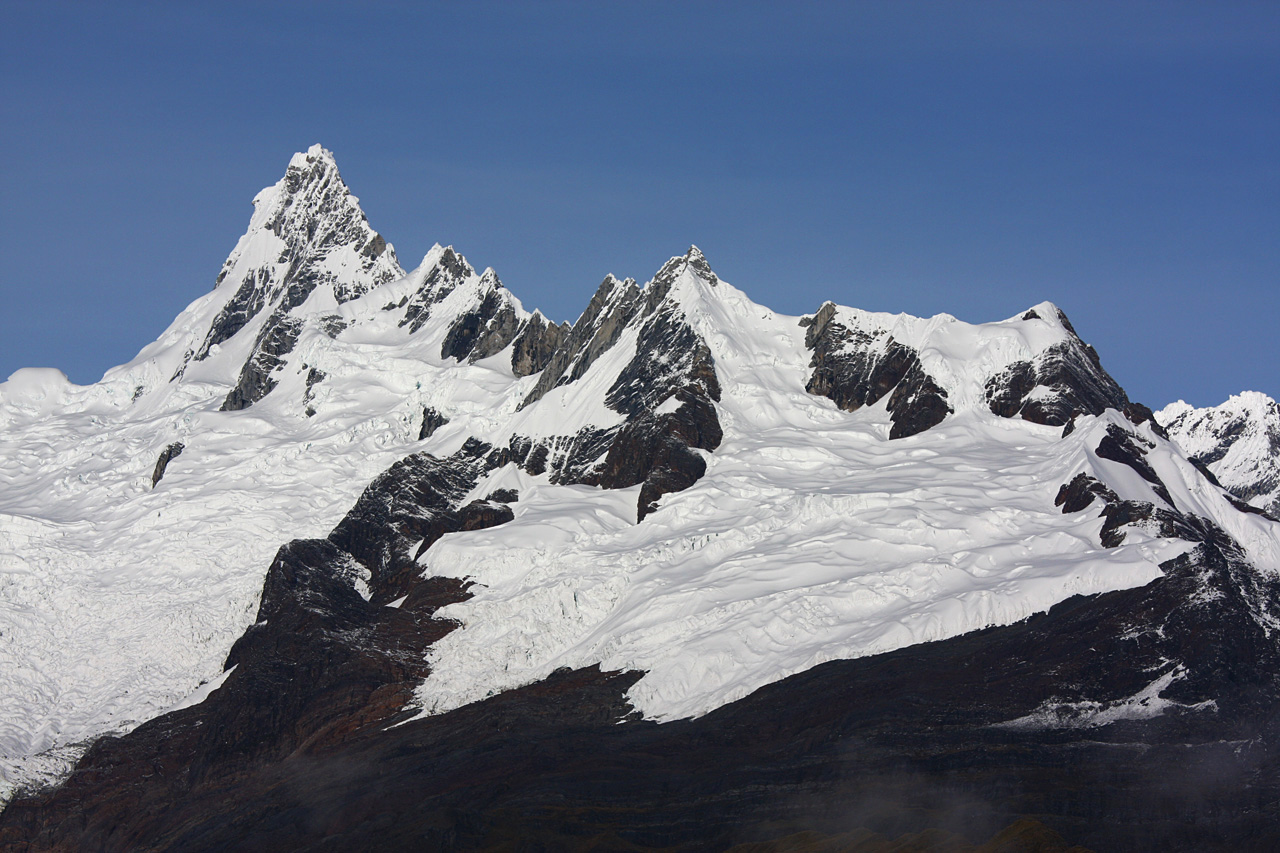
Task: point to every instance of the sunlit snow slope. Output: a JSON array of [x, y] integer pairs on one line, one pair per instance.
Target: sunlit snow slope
[[1239, 441], [812, 536], [871, 480]]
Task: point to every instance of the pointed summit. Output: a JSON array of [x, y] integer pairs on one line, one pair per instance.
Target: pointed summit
[[307, 232], [693, 262]]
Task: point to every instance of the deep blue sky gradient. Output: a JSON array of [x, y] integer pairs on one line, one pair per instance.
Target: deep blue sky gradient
[[1119, 159]]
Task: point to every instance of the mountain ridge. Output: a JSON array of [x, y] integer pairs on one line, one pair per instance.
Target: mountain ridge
[[679, 499], [1238, 441]]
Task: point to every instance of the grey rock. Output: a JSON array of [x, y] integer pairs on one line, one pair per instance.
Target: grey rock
[[856, 369], [276, 340], [1070, 370], [314, 377], [431, 421], [442, 279], [169, 454], [596, 331], [536, 343]]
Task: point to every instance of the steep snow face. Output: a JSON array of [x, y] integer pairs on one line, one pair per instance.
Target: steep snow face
[[120, 598], [117, 598], [814, 534], [780, 526], [308, 242], [1239, 441]]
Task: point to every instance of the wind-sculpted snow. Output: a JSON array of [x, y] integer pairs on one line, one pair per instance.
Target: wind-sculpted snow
[[120, 598], [1239, 441], [810, 538], [812, 535], [684, 500]]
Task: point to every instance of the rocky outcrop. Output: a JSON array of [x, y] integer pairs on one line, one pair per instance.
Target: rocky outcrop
[[671, 363], [308, 226], [856, 368], [1139, 720], [274, 342], [448, 272], [243, 306], [487, 328], [655, 450], [1083, 490], [1129, 448], [1064, 380], [431, 421], [312, 217], [598, 329], [166, 456], [536, 344], [314, 377], [404, 511]]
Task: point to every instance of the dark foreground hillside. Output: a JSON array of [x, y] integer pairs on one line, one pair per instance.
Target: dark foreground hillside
[[1030, 736]]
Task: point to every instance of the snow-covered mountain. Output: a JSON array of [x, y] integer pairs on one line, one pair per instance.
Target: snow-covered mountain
[[334, 496], [1238, 441]]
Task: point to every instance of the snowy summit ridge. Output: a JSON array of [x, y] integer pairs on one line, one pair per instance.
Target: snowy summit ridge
[[1239, 441], [681, 483]]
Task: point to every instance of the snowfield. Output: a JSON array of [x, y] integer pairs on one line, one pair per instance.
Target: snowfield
[[1239, 441], [811, 537]]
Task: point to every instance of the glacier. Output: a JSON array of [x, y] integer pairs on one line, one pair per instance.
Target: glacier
[[816, 531]]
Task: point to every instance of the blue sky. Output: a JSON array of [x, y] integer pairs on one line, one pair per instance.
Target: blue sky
[[1119, 159]]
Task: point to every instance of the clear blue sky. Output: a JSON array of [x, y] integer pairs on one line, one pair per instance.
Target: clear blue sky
[[1120, 159]]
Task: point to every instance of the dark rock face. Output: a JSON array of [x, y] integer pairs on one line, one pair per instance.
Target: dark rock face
[[671, 363], [404, 510], [166, 456], [536, 343], [1139, 414], [487, 329], [431, 421], [332, 325], [275, 341], [297, 750], [441, 280], [596, 331], [236, 314], [856, 369], [1081, 492], [657, 450], [1130, 449], [314, 377], [1073, 378], [314, 217], [670, 360], [1125, 447]]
